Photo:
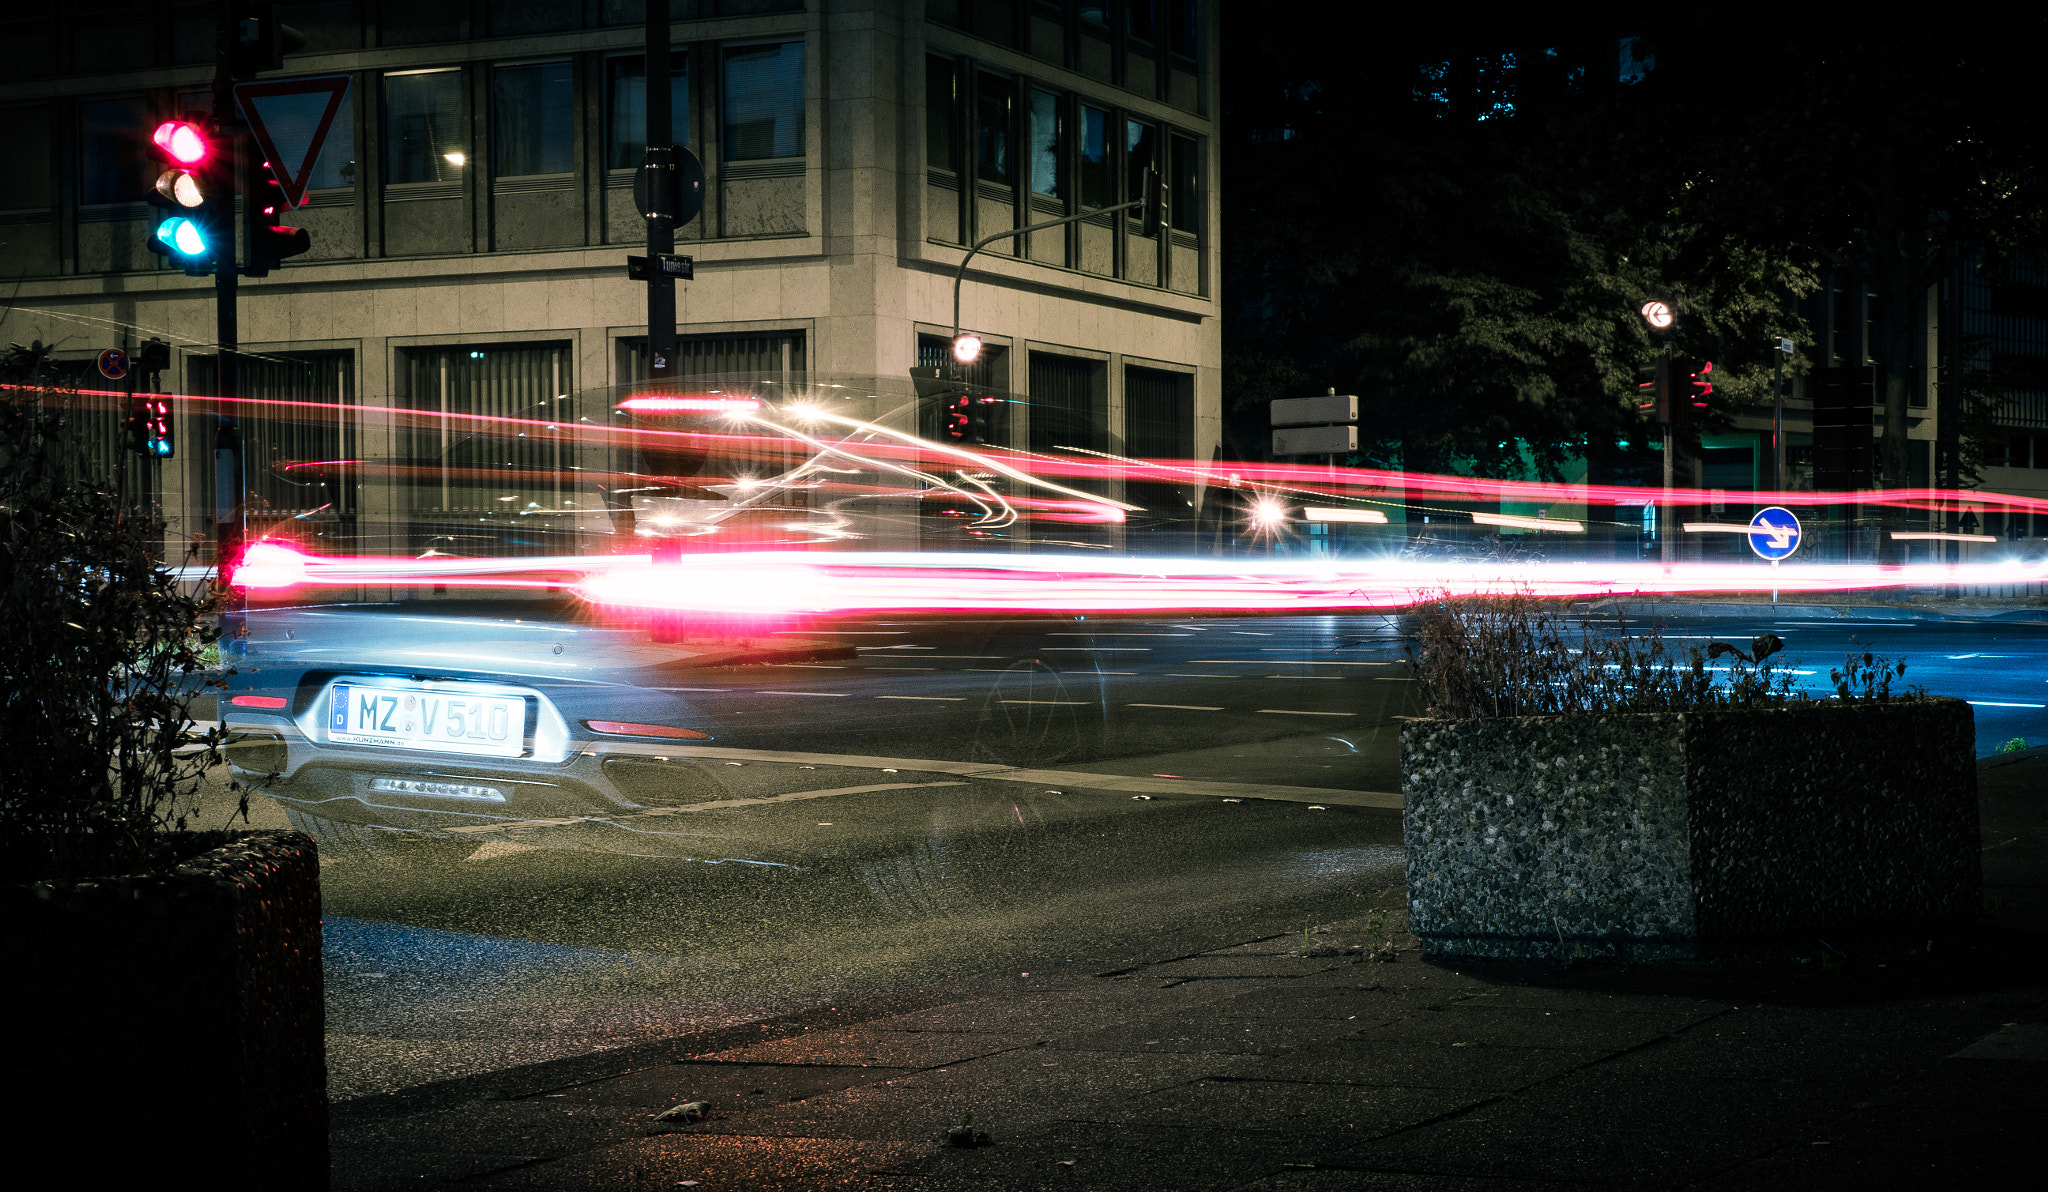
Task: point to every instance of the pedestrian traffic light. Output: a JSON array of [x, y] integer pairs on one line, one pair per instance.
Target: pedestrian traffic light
[[149, 426], [267, 242], [195, 190], [1692, 391], [968, 419], [1152, 202]]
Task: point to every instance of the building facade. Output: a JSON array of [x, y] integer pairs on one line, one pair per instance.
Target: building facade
[[472, 210]]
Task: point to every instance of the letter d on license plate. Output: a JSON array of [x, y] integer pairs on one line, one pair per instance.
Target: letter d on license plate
[[443, 717]]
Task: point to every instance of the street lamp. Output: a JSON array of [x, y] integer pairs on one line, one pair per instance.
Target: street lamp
[[1661, 319]]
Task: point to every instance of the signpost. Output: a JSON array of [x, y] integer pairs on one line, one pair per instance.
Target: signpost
[[1774, 534]]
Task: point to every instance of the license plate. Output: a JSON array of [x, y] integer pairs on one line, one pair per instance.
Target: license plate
[[444, 717]]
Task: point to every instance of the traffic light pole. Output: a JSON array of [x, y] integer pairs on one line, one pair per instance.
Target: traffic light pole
[[960, 273], [661, 233], [230, 510], [1664, 408]]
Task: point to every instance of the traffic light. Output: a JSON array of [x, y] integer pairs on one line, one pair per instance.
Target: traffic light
[[1151, 208], [1692, 391], [267, 242], [256, 41], [149, 426], [969, 419], [1648, 394], [195, 189], [967, 347]]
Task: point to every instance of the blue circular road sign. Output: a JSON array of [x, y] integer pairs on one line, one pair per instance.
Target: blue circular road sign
[[114, 364], [1774, 533]]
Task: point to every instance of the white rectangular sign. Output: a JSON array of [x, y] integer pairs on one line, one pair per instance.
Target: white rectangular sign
[[1310, 411], [1315, 440]]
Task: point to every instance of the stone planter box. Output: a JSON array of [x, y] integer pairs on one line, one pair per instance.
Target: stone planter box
[[1678, 836], [167, 1030]]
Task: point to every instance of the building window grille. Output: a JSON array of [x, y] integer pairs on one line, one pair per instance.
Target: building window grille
[[626, 87], [462, 462], [275, 438], [770, 356], [533, 111], [1067, 404], [423, 136], [764, 101]]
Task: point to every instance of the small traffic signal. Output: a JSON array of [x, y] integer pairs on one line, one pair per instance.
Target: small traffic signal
[[149, 427], [268, 243], [256, 41], [195, 190], [153, 357], [1151, 208], [966, 418], [1692, 391]]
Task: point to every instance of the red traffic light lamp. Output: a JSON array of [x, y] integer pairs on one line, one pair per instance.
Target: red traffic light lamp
[[269, 242]]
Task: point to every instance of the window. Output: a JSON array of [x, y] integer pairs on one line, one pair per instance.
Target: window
[[1048, 146], [941, 123], [1183, 27], [626, 130], [1159, 414], [1186, 179], [764, 101], [335, 168], [533, 128], [27, 187], [1098, 187], [423, 139], [767, 355], [112, 165], [1064, 410], [1140, 21], [272, 438], [463, 466], [1141, 152], [993, 95]]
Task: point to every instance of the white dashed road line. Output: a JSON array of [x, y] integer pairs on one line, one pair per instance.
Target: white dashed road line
[[1077, 703], [944, 699], [1176, 707], [1299, 712]]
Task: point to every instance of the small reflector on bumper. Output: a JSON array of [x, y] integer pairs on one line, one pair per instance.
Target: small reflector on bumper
[[259, 701], [624, 729]]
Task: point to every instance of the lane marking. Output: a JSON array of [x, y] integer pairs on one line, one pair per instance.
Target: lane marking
[[1068, 702], [1096, 650], [1181, 675], [1177, 708], [825, 694], [949, 699], [1393, 679], [1324, 678], [1299, 712], [988, 771], [792, 797], [1281, 661]]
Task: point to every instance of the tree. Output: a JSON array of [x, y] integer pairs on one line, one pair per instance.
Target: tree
[[1462, 226]]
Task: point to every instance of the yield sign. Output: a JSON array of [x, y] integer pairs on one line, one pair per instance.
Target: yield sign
[[290, 118]]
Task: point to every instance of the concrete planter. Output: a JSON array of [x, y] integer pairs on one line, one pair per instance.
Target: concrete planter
[[1657, 836], [168, 1029]]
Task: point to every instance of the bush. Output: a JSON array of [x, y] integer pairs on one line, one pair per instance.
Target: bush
[[1517, 655], [101, 644]]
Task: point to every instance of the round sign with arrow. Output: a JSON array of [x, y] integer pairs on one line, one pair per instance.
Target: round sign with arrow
[[1774, 533]]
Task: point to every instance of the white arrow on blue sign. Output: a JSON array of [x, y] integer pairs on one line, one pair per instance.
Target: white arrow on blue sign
[[1774, 533]]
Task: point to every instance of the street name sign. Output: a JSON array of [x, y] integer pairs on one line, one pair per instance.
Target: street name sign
[[1315, 440], [1310, 411], [666, 264], [1774, 533]]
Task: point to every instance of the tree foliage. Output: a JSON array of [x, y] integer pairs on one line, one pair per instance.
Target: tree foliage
[[100, 652], [1459, 221]]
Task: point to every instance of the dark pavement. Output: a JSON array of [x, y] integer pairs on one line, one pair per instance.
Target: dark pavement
[[1254, 1057]]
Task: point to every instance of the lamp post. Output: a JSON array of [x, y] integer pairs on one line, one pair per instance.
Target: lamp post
[[1661, 319]]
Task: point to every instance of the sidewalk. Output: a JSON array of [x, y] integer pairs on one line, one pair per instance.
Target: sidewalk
[[1248, 1065]]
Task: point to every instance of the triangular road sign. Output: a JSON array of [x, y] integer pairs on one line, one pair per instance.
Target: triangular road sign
[[290, 118]]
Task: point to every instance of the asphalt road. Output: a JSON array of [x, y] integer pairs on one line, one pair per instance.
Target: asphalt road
[[849, 838]]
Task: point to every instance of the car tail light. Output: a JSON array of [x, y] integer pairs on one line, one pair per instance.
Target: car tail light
[[622, 728], [259, 701]]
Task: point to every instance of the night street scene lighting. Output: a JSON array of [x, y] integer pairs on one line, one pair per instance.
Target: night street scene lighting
[[1114, 581]]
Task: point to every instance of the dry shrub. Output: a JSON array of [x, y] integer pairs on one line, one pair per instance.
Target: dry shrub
[[1514, 654]]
